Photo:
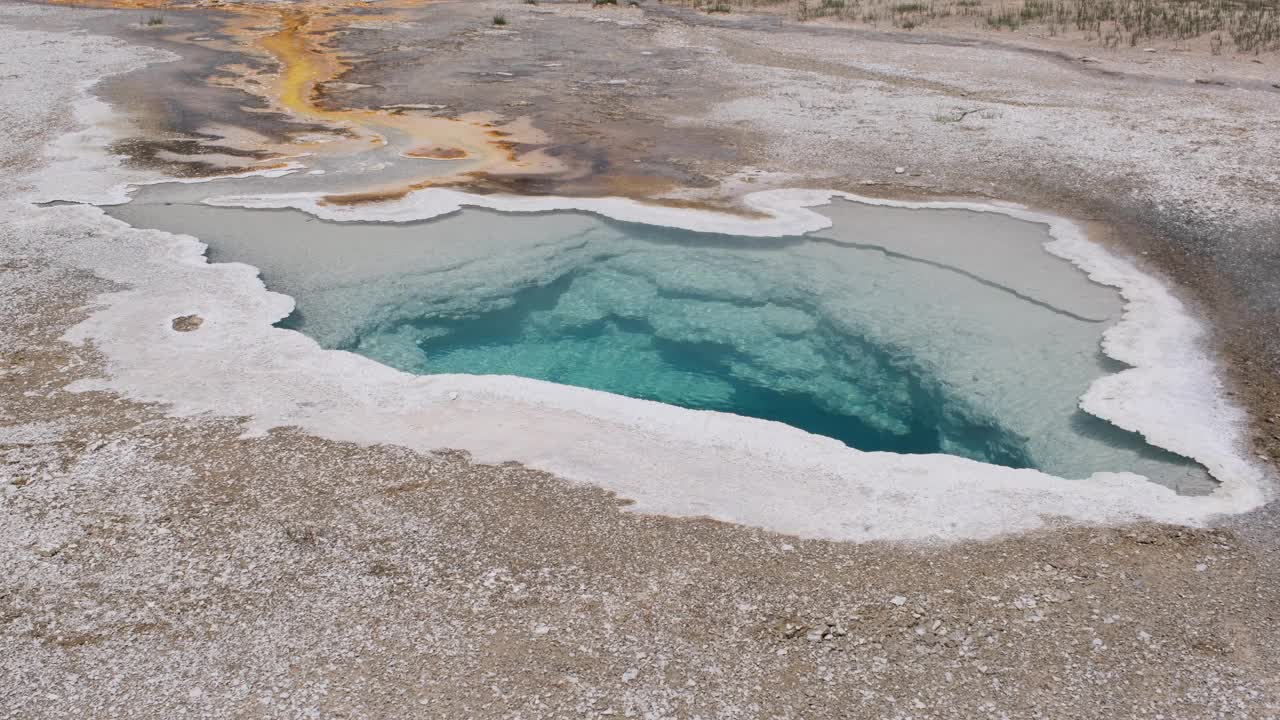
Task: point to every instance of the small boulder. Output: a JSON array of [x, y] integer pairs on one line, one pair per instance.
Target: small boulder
[[187, 323]]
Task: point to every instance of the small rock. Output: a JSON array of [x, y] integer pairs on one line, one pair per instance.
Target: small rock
[[630, 674], [1201, 567], [187, 323], [899, 170], [899, 600]]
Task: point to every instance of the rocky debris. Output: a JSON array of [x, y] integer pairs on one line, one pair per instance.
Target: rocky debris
[[187, 323]]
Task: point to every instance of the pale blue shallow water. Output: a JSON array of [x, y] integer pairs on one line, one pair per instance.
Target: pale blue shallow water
[[895, 330]]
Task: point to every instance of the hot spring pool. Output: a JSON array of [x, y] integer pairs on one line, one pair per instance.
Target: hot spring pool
[[910, 331]]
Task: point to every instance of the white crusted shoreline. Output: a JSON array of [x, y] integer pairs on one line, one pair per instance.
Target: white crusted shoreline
[[668, 460]]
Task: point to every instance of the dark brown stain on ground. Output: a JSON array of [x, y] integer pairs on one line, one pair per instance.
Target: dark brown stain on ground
[[143, 152]]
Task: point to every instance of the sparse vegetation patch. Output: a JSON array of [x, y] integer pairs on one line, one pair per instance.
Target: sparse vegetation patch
[[1249, 26]]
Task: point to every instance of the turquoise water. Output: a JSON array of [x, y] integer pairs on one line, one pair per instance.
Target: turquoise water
[[604, 329], [895, 330]]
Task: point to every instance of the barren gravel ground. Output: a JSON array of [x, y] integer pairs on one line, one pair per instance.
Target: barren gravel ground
[[167, 567]]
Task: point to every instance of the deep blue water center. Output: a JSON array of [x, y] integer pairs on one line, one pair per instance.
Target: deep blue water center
[[629, 356], [761, 328]]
